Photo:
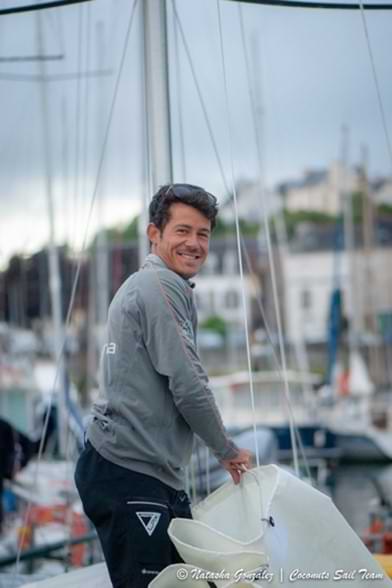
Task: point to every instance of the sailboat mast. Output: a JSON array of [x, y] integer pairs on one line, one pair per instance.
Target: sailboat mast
[[53, 257], [159, 169], [157, 91]]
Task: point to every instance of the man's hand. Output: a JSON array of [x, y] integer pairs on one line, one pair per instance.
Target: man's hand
[[238, 465]]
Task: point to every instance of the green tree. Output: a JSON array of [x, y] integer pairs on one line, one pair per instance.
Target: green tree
[[215, 323]]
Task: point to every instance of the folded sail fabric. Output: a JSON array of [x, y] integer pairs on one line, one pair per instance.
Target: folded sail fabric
[[281, 528]]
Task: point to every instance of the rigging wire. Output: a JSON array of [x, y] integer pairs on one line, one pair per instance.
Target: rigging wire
[[376, 83], [276, 361], [52, 263], [209, 125], [27, 58], [265, 208], [65, 168], [317, 5], [84, 155], [234, 192], [146, 144], [85, 133], [202, 102], [188, 477], [78, 270], [55, 77], [40, 6], [78, 109], [286, 3]]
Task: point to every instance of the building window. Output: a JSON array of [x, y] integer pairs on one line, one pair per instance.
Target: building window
[[211, 264], [306, 299], [230, 263], [232, 299]]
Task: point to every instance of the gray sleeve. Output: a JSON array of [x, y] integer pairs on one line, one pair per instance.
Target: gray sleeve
[[169, 339]]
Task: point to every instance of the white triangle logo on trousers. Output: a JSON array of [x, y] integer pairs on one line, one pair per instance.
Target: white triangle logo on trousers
[[149, 520]]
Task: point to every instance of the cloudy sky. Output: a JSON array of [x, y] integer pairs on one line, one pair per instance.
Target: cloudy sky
[[312, 68]]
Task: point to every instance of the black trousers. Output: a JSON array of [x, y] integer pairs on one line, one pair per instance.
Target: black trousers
[[1, 504], [131, 513]]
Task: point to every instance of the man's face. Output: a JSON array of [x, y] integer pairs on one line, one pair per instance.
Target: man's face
[[183, 243]]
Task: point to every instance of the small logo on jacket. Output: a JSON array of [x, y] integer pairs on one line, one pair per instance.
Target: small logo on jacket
[[149, 520], [109, 348]]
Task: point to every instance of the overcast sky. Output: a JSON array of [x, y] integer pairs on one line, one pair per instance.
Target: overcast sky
[[314, 73]]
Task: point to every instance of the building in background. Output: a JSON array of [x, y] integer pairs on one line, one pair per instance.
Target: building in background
[[319, 190], [310, 279], [249, 201], [218, 286]]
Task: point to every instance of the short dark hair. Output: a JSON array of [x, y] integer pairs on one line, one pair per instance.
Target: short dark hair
[[159, 209]]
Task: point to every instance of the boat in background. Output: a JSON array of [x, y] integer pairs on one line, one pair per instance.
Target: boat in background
[[29, 383], [360, 419], [47, 513], [271, 411]]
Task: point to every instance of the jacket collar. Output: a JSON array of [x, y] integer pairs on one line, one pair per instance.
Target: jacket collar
[[154, 260]]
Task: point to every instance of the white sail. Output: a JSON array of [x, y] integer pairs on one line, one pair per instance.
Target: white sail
[[359, 380], [298, 533]]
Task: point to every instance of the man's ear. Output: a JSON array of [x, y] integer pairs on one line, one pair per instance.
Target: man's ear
[[152, 233]]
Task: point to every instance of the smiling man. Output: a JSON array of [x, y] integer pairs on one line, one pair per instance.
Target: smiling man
[[155, 396]]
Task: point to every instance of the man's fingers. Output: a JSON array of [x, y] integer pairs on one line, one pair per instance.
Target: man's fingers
[[236, 471], [238, 465], [236, 476]]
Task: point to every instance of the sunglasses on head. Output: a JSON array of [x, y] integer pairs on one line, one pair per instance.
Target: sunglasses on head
[[184, 190]]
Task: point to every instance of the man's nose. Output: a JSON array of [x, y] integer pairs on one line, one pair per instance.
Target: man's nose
[[192, 241]]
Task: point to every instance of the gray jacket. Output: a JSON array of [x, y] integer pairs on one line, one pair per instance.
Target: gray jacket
[[154, 392]]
